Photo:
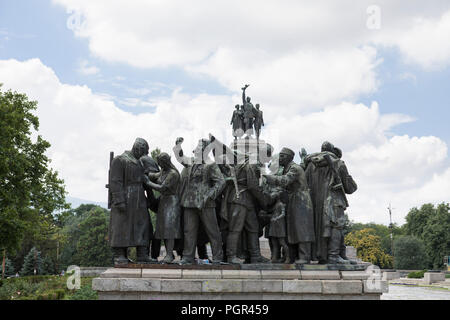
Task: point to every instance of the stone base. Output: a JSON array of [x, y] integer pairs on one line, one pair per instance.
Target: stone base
[[239, 284], [391, 275], [250, 266], [431, 277]]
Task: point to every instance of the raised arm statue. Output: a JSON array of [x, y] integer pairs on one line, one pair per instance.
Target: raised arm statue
[[249, 112], [243, 94]]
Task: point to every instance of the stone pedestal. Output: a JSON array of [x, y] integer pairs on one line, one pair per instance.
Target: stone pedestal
[[431, 277], [351, 252], [255, 149], [391, 275], [214, 283]]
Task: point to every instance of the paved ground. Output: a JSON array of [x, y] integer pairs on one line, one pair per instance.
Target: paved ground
[[410, 292]]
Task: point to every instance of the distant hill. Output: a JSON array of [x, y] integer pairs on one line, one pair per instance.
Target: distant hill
[[76, 202]]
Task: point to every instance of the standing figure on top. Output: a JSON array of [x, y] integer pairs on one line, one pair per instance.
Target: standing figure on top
[[237, 122], [249, 113], [259, 121]]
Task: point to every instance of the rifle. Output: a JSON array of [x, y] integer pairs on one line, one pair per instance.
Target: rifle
[[233, 176], [228, 151], [336, 178], [111, 157], [303, 154]]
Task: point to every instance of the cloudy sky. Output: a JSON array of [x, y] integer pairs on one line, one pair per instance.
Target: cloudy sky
[[374, 80]]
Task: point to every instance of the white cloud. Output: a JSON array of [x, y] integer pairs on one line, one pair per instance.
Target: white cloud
[[299, 81], [235, 35], [83, 127], [87, 70], [425, 42]]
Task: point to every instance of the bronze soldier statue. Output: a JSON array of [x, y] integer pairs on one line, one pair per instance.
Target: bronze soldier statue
[[259, 121], [329, 181], [299, 211], [130, 220], [203, 185], [238, 206], [249, 112], [237, 122]]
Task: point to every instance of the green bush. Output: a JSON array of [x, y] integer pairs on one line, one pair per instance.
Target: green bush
[[417, 274], [44, 288], [85, 293], [13, 288]]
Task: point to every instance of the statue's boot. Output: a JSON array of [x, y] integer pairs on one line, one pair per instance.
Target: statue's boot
[[234, 260], [343, 255], [286, 258], [337, 260], [143, 257], [202, 252], [186, 261], [169, 258], [349, 261], [120, 256], [254, 249], [232, 243], [276, 254], [334, 248], [304, 253]]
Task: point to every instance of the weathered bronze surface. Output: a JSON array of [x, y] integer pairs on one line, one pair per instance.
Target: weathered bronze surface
[[230, 201]]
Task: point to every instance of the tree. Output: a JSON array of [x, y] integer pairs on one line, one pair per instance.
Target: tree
[[431, 225], [92, 247], [380, 230], [48, 267], [417, 219], [368, 246], [436, 235], [29, 191], [32, 262], [84, 237], [409, 253], [9, 268]]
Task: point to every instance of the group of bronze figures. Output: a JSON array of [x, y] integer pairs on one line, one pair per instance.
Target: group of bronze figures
[[247, 117], [227, 200]]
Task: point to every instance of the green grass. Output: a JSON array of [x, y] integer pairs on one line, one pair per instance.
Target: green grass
[[45, 288], [447, 275]]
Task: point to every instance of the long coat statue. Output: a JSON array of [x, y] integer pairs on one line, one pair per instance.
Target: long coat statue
[[299, 211], [130, 220], [329, 180]]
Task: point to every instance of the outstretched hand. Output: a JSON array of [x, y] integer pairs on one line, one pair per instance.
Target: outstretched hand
[[179, 140]]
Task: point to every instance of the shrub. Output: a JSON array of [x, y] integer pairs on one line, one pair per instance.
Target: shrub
[[43, 288], [85, 293], [417, 274], [368, 246]]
